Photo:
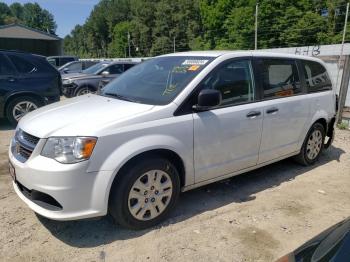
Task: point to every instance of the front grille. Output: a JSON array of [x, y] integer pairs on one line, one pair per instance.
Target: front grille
[[25, 153], [29, 138], [23, 146]]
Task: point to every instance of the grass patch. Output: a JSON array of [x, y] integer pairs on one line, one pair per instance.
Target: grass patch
[[343, 125]]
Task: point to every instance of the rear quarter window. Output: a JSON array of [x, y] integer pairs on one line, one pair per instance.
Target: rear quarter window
[[22, 64], [316, 77], [5, 66]]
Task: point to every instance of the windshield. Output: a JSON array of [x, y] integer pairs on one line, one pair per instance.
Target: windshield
[[156, 81], [95, 68]]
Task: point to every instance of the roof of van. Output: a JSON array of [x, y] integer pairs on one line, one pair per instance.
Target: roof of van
[[217, 53]]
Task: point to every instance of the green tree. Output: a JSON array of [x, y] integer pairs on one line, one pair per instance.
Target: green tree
[[36, 17], [5, 12], [119, 44]]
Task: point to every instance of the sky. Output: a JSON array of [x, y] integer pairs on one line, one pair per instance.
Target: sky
[[67, 13]]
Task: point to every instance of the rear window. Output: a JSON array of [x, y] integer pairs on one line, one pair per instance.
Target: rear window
[[316, 77], [23, 65], [65, 60], [74, 67], [128, 66]]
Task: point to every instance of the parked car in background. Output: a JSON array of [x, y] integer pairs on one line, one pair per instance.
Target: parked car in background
[[171, 124], [333, 244], [27, 82], [88, 80], [58, 61], [76, 66]]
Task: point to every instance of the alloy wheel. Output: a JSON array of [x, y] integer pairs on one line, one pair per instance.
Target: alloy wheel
[[23, 108], [314, 144]]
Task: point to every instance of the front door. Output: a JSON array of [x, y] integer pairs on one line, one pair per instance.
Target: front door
[[227, 138]]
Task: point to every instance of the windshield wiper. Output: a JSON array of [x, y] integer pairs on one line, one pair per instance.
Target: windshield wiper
[[125, 98]]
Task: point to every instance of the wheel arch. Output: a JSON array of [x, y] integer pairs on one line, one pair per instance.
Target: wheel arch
[[323, 122], [168, 154], [21, 94]]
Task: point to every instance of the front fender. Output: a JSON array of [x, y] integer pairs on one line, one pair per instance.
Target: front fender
[[131, 148]]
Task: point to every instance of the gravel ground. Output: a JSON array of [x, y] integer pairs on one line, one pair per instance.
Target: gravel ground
[[258, 216]]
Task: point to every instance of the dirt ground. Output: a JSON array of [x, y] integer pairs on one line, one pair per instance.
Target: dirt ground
[[258, 216]]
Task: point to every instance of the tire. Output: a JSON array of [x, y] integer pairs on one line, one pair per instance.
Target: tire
[[84, 90], [313, 145], [22, 103], [137, 212]]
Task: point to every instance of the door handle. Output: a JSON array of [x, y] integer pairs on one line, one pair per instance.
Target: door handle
[[253, 114], [11, 79], [271, 110]]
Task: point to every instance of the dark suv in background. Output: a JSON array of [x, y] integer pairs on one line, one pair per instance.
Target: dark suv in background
[[27, 82]]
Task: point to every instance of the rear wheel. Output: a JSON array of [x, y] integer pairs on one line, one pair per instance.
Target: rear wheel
[[312, 146], [19, 107], [145, 194]]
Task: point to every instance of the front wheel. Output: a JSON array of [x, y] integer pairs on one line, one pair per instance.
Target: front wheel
[[145, 194], [312, 146], [83, 91]]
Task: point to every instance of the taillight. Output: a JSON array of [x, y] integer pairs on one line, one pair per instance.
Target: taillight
[[336, 103]]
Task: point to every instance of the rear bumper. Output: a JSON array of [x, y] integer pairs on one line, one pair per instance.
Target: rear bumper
[[330, 133]]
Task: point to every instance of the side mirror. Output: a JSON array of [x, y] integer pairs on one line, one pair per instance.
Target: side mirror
[[105, 73], [208, 98], [66, 70]]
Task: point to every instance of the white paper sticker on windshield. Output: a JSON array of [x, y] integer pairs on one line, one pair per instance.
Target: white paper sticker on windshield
[[195, 62]]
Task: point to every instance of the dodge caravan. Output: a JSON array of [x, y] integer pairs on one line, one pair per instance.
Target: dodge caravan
[[170, 124]]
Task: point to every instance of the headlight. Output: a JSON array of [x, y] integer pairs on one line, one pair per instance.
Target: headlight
[[69, 150], [67, 81]]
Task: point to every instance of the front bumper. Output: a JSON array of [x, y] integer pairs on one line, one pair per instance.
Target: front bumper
[[68, 90], [79, 194]]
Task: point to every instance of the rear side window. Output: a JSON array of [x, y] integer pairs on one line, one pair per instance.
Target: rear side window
[[5, 67], [23, 66], [316, 77], [279, 78]]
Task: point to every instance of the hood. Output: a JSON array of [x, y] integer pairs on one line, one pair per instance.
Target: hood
[[80, 116]]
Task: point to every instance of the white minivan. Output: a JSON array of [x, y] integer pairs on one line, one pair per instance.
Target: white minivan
[[170, 124]]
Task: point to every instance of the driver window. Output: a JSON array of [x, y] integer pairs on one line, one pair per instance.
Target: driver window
[[279, 77], [234, 80]]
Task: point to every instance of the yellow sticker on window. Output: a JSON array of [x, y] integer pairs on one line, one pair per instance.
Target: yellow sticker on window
[[193, 68]]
